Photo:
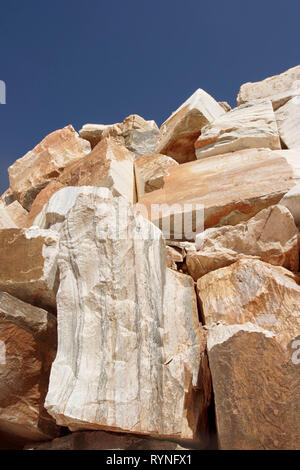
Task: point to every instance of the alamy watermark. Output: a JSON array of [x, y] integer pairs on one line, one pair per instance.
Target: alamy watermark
[[2, 92]]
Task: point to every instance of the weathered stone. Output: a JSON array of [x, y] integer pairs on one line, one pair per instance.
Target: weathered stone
[[271, 236], [181, 130], [28, 265], [142, 366], [229, 189], [12, 215], [27, 349], [288, 121], [252, 354], [150, 171], [102, 440], [41, 201], [109, 165], [251, 125], [256, 389], [253, 291], [93, 132], [291, 200], [46, 161], [138, 135], [56, 210], [279, 88]]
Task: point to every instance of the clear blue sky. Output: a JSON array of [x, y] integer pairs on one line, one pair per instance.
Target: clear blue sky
[[70, 61]]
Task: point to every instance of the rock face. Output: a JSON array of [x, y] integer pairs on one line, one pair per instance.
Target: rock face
[[28, 260], [138, 135], [271, 236], [279, 88], [46, 161], [288, 121], [136, 360], [179, 133], [27, 348], [251, 125], [221, 189], [41, 201], [109, 165], [12, 215], [255, 292], [183, 333], [150, 171], [56, 210], [102, 440], [93, 132], [254, 368], [256, 387]]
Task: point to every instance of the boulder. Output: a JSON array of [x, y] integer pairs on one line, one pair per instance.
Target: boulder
[[31, 173], [252, 312], [28, 260], [279, 88], [251, 125], [180, 131], [27, 349], [288, 122], [138, 135], [131, 354], [271, 236], [223, 190], [42, 200], [109, 165], [150, 171], [56, 210], [253, 291], [93, 132], [256, 389]]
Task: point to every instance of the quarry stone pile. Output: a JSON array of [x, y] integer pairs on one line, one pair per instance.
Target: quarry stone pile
[[149, 280]]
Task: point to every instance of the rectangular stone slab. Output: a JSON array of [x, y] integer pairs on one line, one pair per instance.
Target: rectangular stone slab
[[232, 187]]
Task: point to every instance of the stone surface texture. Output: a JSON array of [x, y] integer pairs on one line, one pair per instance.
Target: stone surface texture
[[46, 161], [109, 165], [271, 236], [150, 170], [138, 135], [279, 88], [27, 349], [251, 125], [252, 310], [221, 189], [28, 260], [138, 363], [180, 131]]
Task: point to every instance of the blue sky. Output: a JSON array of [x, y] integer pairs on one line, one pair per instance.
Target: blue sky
[[73, 62]]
